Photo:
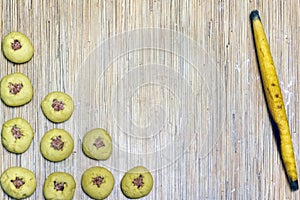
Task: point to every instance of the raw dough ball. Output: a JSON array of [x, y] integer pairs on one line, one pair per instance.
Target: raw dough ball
[[97, 182], [59, 186], [16, 89], [56, 145], [57, 106], [137, 182], [17, 47], [17, 135], [97, 144], [18, 182]]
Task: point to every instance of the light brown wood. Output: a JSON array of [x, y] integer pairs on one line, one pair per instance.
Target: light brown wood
[[203, 130]]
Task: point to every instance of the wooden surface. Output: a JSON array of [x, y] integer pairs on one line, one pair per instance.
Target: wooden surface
[[201, 126]]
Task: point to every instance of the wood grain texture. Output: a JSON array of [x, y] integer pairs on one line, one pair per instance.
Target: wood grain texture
[[242, 160]]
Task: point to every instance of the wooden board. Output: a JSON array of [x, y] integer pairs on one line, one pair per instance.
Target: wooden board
[[176, 83]]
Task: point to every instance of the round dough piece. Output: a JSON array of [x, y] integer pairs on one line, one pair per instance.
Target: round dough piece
[[18, 182], [59, 186], [17, 135], [56, 145], [97, 182], [97, 144], [17, 47], [137, 182], [57, 106], [16, 89]]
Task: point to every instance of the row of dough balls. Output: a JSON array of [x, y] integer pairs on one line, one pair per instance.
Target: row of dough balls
[[97, 182]]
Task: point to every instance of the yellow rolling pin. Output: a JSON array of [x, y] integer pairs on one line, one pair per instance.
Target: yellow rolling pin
[[274, 98]]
